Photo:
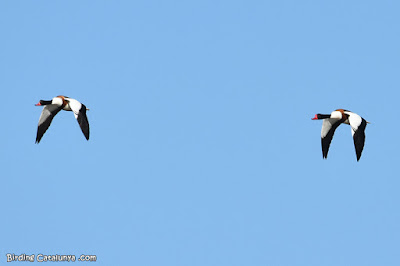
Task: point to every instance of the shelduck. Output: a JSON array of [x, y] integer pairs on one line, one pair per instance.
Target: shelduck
[[52, 107], [333, 120]]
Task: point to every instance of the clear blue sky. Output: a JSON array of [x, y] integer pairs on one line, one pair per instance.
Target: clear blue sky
[[202, 148]]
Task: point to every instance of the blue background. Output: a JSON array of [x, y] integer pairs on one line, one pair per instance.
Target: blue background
[[202, 148]]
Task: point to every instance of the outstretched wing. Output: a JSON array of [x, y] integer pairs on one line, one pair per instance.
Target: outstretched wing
[[48, 113], [79, 111], [329, 126], [358, 125]]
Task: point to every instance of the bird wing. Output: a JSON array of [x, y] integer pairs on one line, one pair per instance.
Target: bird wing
[[357, 124], [79, 111], [329, 126], [48, 113]]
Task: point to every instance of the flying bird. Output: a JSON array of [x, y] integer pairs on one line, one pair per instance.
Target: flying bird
[[333, 120], [52, 107]]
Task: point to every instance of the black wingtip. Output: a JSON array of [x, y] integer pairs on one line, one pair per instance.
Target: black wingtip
[[39, 135], [85, 129]]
